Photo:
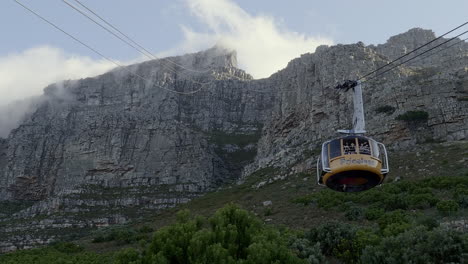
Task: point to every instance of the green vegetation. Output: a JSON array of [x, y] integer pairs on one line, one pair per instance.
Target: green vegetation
[[447, 207], [401, 217], [399, 222], [58, 253], [413, 116], [385, 109], [233, 235], [11, 207], [122, 235]]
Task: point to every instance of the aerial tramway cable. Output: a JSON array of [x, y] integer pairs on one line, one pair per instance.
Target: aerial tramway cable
[[102, 55], [410, 59], [416, 49], [144, 52], [130, 39], [140, 48], [450, 46]]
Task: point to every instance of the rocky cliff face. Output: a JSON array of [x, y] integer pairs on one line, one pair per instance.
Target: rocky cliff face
[[309, 110], [118, 130], [112, 148]]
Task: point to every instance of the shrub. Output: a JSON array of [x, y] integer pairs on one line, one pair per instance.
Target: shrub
[[51, 255], [354, 213], [328, 199], [394, 229], [374, 213], [67, 247], [462, 200], [413, 116], [391, 188], [122, 235], [422, 201], [305, 250], [447, 207], [418, 245], [330, 235], [395, 217], [445, 182], [427, 221], [396, 201], [387, 109], [128, 255], [231, 235], [145, 229], [305, 200]]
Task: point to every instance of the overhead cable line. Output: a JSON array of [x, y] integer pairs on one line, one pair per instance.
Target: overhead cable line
[[140, 48], [347, 84], [418, 48], [100, 54], [453, 44], [410, 59], [150, 56], [130, 39]]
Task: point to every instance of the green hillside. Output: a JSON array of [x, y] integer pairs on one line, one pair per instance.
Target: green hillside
[[420, 215]]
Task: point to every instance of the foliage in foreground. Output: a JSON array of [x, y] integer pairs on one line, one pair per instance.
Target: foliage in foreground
[[400, 219], [59, 253], [388, 225], [232, 235]]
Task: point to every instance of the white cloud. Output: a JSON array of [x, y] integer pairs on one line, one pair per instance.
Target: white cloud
[[28, 73], [25, 75], [263, 46]]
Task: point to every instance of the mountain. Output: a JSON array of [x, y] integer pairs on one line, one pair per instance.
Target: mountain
[[131, 142]]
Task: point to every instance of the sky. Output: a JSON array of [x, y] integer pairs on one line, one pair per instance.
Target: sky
[[266, 34]]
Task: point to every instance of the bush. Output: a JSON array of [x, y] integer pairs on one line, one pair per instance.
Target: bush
[[394, 229], [374, 213], [445, 182], [122, 235], [67, 247], [231, 235], [422, 201], [395, 217], [418, 245], [50, 255], [330, 235], [463, 201], [387, 109], [145, 229], [396, 201], [354, 213], [128, 255], [427, 221], [413, 116], [305, 250], [447, 207]]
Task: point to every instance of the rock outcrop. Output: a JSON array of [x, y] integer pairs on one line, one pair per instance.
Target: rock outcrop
[[118, 146], [309, 110]]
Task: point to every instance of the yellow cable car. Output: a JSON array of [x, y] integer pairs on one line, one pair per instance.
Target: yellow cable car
[[352, 163]]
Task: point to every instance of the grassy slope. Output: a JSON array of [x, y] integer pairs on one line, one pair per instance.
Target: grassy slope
[[423, 161]]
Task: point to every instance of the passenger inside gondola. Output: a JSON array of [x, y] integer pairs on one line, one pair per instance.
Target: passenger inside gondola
[[364, 147], [349, 146]]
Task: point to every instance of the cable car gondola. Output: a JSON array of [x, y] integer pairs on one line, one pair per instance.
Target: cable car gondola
[[352, 163]]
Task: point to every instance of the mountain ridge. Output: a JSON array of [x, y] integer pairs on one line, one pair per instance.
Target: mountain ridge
[[113, 147]]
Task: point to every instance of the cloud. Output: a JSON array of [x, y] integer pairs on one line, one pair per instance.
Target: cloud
[[263, 45], [24, 75], [28, 73]]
